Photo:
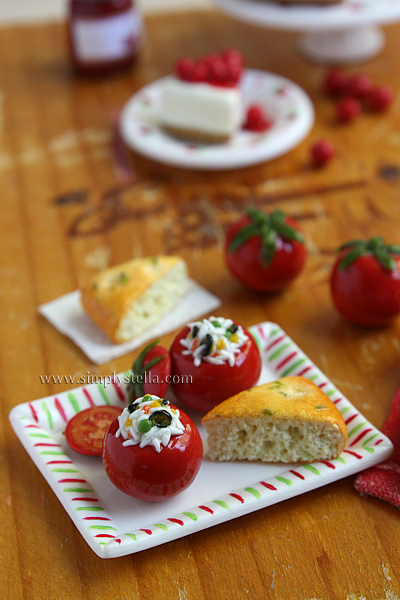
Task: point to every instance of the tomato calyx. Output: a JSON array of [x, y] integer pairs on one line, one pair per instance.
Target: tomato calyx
[[268, 227], [375, 247], [135, 386]]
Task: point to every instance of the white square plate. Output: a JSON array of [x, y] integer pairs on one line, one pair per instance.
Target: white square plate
[[114, 524], [68, 316]]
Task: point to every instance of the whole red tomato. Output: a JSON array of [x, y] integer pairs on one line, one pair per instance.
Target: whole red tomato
[[150, 372], [365, 282], [146, 474], [203, 387], [265, 251]]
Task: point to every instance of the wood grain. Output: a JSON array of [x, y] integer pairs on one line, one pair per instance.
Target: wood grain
[[56, 144]]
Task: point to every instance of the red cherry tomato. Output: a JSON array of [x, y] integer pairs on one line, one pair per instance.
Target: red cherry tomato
[[146, 474], [150, 372], [364, 290], [271, 257], [85, 431], [203, 387]]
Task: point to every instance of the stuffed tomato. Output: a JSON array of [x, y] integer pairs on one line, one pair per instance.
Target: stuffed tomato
[[152, 451], [212, 360]]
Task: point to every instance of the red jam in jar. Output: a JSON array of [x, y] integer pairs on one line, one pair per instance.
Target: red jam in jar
[[105, 35]]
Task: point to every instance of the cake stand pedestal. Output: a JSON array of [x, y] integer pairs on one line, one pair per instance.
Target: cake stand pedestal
[[351, 45], [342, 33]]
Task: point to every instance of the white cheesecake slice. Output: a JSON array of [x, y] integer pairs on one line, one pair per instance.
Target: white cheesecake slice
[[200, 112]]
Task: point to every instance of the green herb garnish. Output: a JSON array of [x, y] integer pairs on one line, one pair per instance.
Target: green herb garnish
[[135, 387], [268, 412], [276, 385]]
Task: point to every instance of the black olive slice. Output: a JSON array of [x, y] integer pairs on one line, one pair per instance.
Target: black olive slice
[[207, 343], [161, 418]]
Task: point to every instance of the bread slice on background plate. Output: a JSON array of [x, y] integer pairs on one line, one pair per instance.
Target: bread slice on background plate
[[287, 420], [129, 298]]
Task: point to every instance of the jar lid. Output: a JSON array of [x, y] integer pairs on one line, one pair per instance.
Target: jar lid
[[116, 2]]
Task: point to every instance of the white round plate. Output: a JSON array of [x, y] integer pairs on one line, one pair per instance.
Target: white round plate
[[289, 106], [348, 14]]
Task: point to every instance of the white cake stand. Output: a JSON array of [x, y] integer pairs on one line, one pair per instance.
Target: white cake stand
[[345, 32]]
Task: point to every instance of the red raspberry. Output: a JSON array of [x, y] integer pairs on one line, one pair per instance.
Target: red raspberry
[[359, 85], [234, 74], [234, 63], [348, 109], [335, 82], [218, 71], [233, 57], [224, 69], [322, 151], [210, 58], [184, 69], [380, 98], [200, 71], [257, 119]]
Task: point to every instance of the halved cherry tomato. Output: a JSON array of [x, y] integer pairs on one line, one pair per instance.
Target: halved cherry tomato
[[150, 372], [265, 251], [85, 431], [146, 474], [203, 387]]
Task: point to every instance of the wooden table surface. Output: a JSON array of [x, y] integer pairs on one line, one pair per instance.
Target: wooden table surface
[[60, 222]]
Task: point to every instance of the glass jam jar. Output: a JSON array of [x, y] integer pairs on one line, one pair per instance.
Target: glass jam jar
[[105, 35]]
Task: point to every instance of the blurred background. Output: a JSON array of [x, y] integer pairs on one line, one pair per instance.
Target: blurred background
[[22, 11]]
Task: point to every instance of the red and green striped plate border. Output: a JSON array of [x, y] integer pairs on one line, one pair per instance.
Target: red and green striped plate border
[[39, 422]]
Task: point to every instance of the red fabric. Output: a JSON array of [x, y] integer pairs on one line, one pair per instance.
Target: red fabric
[[383, 481]]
